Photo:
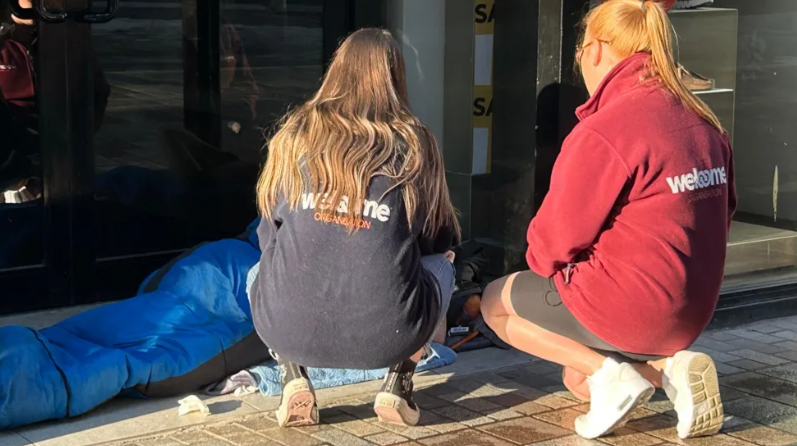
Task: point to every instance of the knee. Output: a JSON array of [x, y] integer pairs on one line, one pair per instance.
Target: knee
[[496, 300], [491, 306]]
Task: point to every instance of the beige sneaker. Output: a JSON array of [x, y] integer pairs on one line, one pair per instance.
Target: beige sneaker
[[694, 81], [691, 383], [394, 403], [298, 406]]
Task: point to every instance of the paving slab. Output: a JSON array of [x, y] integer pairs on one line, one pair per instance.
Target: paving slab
[[758, 434], [763, 386], [122, 418], [13, 439], [769, 413], [787, 372], [758, 356], [482, 360]]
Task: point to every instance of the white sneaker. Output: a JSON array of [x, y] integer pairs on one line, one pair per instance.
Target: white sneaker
[[691, 383], [616, 390]]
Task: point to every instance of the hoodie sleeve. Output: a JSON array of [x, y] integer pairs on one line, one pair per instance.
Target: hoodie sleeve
[[588, 177], [266, 233], [267, 230]]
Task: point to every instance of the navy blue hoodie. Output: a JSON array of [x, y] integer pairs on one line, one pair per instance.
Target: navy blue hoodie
[[325, 297]]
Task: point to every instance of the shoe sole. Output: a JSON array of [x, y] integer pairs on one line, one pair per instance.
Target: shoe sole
[[706, 399], [392, 409], [299, 406]]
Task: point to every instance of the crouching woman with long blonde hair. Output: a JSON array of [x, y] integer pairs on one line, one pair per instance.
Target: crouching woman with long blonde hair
[[627, 251], [357, 225]]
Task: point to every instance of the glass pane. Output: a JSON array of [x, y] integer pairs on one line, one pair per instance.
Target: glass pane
[[763, 241], [472, 78], [180, 144], [271, 59], [21, 179], [502, 201]]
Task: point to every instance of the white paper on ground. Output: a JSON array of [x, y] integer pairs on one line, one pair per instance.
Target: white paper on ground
[[191, 404]]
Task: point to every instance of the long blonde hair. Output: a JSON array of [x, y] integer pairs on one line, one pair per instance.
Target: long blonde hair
[[357, 126], [634, 26]]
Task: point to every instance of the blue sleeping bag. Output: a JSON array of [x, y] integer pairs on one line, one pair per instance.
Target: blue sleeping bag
[[150, 345]]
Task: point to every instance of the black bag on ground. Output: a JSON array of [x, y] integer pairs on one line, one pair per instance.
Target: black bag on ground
[[470, 264]]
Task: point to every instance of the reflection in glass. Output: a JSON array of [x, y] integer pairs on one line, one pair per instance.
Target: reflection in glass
[[182, 140], [21, 187], [763, 238]]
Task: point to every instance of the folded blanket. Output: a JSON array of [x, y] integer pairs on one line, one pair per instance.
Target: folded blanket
[[242, 383], [268, 375]]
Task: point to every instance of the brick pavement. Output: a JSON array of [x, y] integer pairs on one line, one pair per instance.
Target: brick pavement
[[524, 405]]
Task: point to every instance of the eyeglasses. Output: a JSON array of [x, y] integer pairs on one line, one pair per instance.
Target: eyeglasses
[[580, 51]]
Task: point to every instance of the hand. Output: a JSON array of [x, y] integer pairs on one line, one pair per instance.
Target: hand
[[234, 126], [450, 256]]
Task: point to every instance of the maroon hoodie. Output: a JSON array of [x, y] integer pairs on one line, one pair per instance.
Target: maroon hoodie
[[18, 103], [18, 77], [640, 205]]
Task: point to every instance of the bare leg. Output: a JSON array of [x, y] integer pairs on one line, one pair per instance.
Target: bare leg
[[533, 339], [576, 383], [652, 371], [612, 398]]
